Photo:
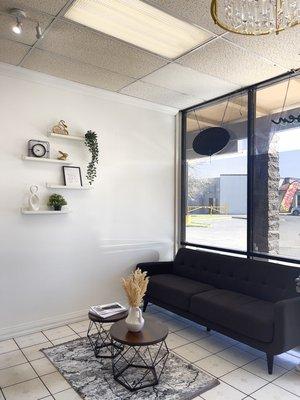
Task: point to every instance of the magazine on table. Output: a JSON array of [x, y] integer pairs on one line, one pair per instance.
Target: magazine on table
[[107, 310]]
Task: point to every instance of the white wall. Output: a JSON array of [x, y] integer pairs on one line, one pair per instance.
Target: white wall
[[54, 267]]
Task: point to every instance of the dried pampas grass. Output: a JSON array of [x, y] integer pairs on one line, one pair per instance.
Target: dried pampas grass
[[135, 286]]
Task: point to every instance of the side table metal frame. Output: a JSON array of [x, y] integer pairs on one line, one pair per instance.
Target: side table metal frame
[[149, 365], [101, 339]]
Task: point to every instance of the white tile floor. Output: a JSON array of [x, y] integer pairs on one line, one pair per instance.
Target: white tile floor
[[25, 374]]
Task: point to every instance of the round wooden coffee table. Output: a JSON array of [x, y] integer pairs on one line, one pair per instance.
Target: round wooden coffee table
[[101, 338], [143, 357]]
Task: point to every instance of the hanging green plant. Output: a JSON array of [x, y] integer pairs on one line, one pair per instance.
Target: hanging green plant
[[91, 142]]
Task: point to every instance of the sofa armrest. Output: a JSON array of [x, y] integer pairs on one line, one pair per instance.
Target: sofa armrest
[[156, 268], [287, 323]]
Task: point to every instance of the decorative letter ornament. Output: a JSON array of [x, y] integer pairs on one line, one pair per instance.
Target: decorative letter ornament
[[34, 200]]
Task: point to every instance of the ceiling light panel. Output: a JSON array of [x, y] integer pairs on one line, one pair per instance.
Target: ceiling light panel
[[138, 23]]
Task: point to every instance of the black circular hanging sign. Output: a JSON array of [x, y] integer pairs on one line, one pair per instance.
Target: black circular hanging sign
[[210, 141]]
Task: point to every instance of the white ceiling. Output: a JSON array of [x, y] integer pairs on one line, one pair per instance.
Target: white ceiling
[[72, 51]]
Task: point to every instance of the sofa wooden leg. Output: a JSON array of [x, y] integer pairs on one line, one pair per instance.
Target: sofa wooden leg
[[145, 305], [270, 359]]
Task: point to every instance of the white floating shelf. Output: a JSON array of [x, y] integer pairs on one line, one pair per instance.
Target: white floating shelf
[[67, 137], [54, 186], [46, 160], [41, 212]]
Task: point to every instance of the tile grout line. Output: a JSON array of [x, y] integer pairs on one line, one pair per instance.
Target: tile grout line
[[38, 375], [292, 370], [61, 337], [74, 331], [173, 349], [1, 392], [29, 362], [272, 382], [267, 383], [216, 377], [193, 341], [15, 365], [237, 367]]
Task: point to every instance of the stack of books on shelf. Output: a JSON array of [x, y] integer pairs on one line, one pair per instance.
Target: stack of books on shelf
[[107, 310]]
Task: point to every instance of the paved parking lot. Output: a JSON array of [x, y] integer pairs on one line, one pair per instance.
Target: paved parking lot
[[231, 232]]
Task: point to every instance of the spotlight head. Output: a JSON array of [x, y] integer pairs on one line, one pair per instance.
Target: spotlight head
[[19, 15], [17, 28]]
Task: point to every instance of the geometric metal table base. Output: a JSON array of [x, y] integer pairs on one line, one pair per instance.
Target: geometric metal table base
[[139, 367], [101, 341]]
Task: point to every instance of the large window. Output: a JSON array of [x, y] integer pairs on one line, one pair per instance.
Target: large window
[[216, 185], [241, 172], [276, 221]]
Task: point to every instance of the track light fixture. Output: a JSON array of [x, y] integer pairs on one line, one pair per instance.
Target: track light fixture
[[39, 33], [19, 15]]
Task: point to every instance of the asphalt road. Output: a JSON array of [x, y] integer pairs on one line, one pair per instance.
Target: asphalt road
[[232, 233]]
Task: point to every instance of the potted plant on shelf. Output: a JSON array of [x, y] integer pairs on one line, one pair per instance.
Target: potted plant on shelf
[[56, 201], [91, 142]]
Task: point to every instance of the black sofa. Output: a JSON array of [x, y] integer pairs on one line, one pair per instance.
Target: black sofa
[[254, 302]]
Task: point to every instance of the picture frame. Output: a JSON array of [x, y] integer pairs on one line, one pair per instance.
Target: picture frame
[[72, 176]]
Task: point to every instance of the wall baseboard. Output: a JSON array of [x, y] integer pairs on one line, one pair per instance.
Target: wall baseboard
[[42, 324]]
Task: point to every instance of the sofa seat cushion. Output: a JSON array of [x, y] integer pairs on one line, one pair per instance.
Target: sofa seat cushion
[[175, 290], [243, 314]]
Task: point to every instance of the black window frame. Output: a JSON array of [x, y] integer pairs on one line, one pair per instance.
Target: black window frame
[[251, 118]]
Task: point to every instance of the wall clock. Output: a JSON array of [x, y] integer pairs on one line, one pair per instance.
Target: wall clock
[[38, 148]]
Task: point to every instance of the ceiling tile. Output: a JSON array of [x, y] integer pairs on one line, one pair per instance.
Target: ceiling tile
[[224, 60], [53, 64], [51, 6], [29, 32], [159, 95], [83, 44], [283, 49], [194, 11], [12, 52], [189, 101], [189, 81]]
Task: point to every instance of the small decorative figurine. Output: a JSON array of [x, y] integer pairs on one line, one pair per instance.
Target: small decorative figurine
[[61, 128], [34, 200], [63, 156]]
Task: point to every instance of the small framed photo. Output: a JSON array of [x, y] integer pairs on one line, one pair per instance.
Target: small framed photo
[[72, 176]]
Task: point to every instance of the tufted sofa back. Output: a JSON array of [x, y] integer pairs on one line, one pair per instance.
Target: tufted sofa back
[[260, 279]]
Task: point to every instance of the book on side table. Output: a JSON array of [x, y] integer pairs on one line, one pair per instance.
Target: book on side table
[[107, 310]]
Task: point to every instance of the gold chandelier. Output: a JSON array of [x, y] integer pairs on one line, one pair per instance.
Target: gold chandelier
[[255, 17]]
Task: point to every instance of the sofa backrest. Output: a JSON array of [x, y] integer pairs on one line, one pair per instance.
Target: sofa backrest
[[264, 280]]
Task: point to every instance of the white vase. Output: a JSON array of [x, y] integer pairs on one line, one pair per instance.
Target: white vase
[[34, 200], [135, 320]]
